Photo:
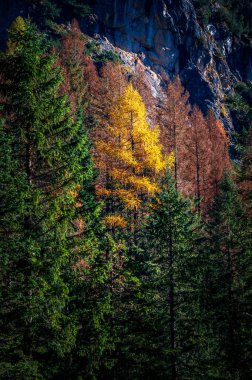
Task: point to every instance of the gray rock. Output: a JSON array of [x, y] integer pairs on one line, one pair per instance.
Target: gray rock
[[167, 37], [170, 39]]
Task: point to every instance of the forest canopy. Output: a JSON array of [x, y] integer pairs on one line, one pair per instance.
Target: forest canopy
[[125, 248]]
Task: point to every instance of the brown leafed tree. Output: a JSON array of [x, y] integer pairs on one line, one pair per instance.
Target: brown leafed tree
[[81, 80], [196, 163], [173, 120], [71, 53], [220, 160], [113, 78]]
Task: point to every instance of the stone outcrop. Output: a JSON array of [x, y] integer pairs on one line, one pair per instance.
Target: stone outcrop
[[168, 38]]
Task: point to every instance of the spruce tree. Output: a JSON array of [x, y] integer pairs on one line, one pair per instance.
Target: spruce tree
[[163, 323], [228, 282], [172, 232], [45, 167]]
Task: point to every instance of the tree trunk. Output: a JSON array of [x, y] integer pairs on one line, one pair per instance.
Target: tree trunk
[[171, 303], [175, 155], [198, 176]]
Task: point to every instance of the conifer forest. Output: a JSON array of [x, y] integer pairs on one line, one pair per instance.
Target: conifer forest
[[125, 229]]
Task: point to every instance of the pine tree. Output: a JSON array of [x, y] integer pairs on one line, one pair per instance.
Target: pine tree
[[245, 175], [14, 192], [44, 212], [228, 282], [89, 279], [173, 314]]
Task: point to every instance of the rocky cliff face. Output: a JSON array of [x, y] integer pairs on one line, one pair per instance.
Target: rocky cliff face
[[167, 38]]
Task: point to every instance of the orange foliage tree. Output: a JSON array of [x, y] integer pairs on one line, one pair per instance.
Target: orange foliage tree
[[220, 160], [196, 167], [200, 145], [113, 79], [81, 80], [205, 157], [173, 118]]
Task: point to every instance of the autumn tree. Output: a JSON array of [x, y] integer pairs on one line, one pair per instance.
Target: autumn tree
[[196, 168], [81, 79], [219, 156], [129, 158], [173, 118], [142, 82], [113, 79], [71, 55]]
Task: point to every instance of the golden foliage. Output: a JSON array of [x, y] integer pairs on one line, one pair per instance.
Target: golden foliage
[[137, 143], [170, 160], [129, 153], [115, 221], [128, 198], [73, 194]]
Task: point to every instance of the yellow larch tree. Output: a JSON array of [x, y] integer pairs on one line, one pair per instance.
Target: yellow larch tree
[[129, 158]]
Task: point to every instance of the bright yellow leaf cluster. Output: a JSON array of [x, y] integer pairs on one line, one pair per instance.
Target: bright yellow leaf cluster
[[170, 160], [130, 153], [128, 198], [137, 143], [115, 221]]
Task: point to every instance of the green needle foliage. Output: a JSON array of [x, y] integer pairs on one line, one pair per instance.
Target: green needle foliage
[[47, 171], [48, 11], [166, 298], [229, 278], [171, 283]]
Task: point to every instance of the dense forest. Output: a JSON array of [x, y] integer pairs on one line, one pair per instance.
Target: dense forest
[[125, 225]]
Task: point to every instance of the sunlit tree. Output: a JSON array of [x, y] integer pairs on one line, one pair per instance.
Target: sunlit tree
[[130, 156]]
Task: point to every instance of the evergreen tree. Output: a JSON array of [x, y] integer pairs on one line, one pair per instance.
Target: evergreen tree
[[228, 280], [89, 280], [166, 332], [42, 216], [14, 192]]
